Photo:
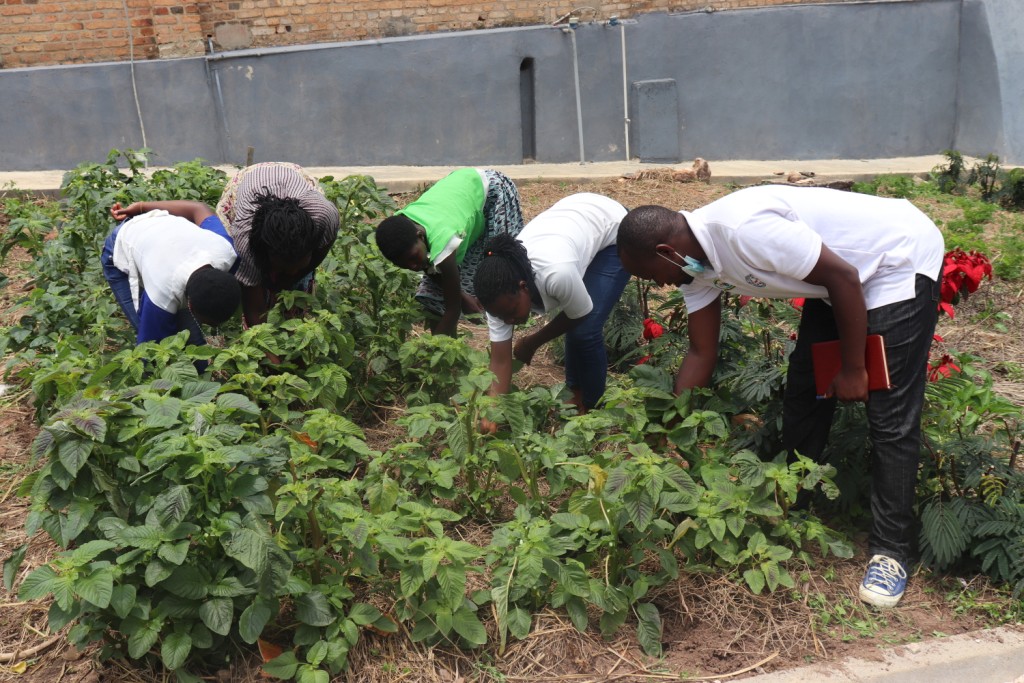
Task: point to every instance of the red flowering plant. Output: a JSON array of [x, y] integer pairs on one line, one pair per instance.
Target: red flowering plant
[[962, 273], [652, 331]]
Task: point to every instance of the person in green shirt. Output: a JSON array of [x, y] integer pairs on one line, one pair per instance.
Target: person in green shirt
[[442, 234]]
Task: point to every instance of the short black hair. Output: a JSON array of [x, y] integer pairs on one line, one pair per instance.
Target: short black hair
[[395, 236], [280, 226], [504, 265], [645, 227], [213, 295]]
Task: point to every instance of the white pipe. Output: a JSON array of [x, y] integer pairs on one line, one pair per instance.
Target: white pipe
[[625, 90], [576, 79]]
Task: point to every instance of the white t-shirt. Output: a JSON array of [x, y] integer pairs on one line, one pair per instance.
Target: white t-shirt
[[561, 243], [762, 241], [160, 252]]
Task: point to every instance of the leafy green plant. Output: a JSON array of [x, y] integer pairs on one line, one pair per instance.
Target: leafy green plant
[[972, 510]]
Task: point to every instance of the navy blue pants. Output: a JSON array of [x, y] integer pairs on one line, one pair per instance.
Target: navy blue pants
[[586, 360]]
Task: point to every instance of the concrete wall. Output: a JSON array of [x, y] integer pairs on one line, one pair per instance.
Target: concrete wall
[[873, 79], [990, 98]]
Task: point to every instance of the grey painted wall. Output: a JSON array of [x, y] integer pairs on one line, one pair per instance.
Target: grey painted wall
[[873, 79], [990, 102]]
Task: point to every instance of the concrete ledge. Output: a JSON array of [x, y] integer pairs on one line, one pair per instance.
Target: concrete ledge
[[995, 656], [410, 178]]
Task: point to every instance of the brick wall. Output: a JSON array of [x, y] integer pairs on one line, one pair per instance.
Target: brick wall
[[47, 32]]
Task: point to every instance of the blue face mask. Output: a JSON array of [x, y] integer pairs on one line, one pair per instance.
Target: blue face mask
[[690, 265]]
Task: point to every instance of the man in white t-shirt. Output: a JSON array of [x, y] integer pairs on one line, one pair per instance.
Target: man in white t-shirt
[[866, 265], [169, 265], [563, 261]]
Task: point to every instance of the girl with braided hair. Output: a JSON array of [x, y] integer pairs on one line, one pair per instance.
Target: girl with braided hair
[[564, 260], [282, 225], [442, 233]]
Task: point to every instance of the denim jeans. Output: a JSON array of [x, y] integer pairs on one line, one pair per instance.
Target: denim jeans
[[894, 416], [118, 281], [120, 285], [586, 360]]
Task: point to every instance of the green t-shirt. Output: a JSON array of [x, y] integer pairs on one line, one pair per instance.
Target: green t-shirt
[[453, 206]]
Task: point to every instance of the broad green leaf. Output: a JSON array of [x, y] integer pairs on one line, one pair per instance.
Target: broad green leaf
[[755, 580], [143, 639], [283, 666], [174, 553], [87, 552], [519, 622], [89, 424], [186, 582], [717, 527], [122, 600], [172, 506], [239, 403], [57, 618], [73, 453], [63, 588], [648, 628], [97, 587], [217, 614], [38, 584], [467, 625], [11, 566], [314, 610], [577, 611], [363, 614], [316, 654], [452, 580], [175, 650], [157, 570], [161, 412], [640, 508], [248, 547], [145, 537], [310, 674]]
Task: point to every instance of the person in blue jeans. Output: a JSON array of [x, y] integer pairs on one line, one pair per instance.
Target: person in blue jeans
[[169, 265], [563, 261], [866, 265]]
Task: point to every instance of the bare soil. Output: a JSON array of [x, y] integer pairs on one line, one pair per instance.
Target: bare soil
[[713, 627]]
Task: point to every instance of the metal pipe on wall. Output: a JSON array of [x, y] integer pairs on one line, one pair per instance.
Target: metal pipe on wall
[[571, 30], [225, 136]]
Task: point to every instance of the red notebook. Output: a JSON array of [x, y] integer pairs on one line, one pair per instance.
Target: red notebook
[[827, 360]]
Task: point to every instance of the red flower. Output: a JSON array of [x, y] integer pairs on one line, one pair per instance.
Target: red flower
[[643, 360], [962, 272], [652, 330], [744, 300], [797, 303], [944, 368], [938, 338]]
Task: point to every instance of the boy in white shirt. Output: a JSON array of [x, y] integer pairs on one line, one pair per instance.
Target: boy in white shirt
[[169, 265], [563, 260], [866, 265]]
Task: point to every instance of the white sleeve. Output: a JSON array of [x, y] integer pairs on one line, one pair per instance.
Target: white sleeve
[[697, 295], [565, 288], [497, 329]]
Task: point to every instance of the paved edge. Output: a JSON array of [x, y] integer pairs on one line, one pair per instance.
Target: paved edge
[[991, 656], [409, 178]]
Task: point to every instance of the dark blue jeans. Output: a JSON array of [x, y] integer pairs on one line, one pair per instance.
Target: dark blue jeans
[[121, 287], [586, 360], [894, 416]]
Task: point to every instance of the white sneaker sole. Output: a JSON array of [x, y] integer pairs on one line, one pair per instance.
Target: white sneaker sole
[[877, 599]]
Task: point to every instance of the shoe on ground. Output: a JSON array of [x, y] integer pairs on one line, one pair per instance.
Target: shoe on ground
[[884, 582]]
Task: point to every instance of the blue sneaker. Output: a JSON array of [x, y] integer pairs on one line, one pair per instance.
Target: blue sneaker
[[884, 582]]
